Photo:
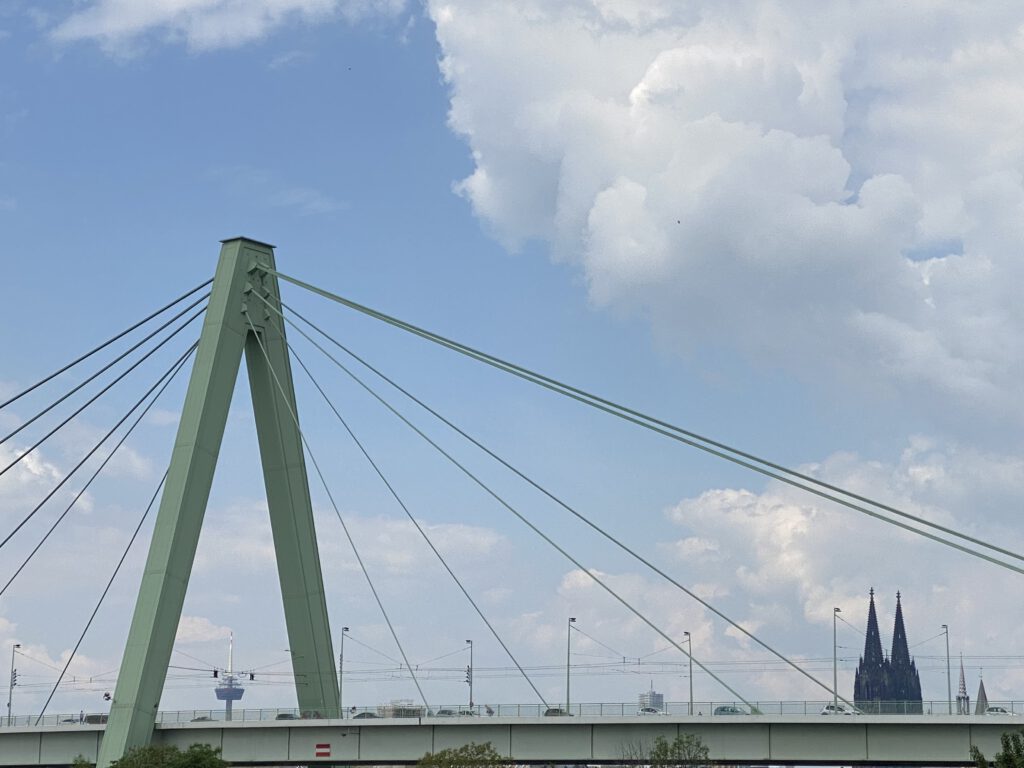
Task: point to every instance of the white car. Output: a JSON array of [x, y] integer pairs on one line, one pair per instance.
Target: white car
[[839, 709], [999, 711], [650, 711]]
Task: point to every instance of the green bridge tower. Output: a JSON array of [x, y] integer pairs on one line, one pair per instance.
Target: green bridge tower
[[225, 336]]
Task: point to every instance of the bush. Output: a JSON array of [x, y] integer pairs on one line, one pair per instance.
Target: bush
[[469, 756]]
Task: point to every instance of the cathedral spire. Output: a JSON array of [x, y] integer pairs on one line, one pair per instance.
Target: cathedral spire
[[872, 640], [963, 701], [900, 655]]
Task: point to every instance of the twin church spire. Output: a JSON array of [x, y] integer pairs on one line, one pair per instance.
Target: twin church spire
[[887, 684]]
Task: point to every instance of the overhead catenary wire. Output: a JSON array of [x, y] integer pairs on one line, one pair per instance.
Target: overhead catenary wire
[[103, 596], [169, 375], [534, 484], [557, 547], [415, 522], [337, 512], [104, 345], [88, 455], [674, 432], [103, 391], [105, 368]]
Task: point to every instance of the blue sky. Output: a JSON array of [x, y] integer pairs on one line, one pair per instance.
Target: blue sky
[[763, 237]]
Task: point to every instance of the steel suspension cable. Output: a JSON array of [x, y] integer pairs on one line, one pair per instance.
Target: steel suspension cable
[[561, 550], [105, 368], [687, 437], [96, 610], [169, 376], [337, 512], [95, 448], [580, 516], [416, 524], [103, 391], [551, 496], [104, 345]]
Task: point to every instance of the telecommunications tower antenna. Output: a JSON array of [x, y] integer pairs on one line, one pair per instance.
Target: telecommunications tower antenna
[[229, 691]]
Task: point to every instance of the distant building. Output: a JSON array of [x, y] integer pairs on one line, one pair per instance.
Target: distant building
[[652, 699], [963, 701], [887, 684], [981, 704]]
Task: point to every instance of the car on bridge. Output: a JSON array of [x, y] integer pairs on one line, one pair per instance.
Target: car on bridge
[[999, 711], [840, 709], [729, 709], [650, 711]]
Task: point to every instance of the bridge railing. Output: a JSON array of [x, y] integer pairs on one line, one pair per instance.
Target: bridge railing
[[717, 709]]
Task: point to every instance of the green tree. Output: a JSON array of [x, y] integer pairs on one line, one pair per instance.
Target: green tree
[[471, 755], [1012, 755], [165, 756], [686, 749]]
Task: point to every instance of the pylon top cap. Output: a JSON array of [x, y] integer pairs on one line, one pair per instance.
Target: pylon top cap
[[249, 240]]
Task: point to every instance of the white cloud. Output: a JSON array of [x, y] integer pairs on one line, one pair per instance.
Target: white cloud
[[199, 629], [205, 24], [791, 558], [831, 187]]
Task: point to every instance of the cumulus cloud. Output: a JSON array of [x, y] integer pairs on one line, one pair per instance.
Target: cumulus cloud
[[837, 187], [204, 24], [199, 629], [791, 558]]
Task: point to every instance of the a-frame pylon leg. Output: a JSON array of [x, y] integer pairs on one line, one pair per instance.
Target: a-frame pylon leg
[[226, 334]]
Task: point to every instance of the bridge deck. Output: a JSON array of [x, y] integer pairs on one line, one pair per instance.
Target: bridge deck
[[907, 740]]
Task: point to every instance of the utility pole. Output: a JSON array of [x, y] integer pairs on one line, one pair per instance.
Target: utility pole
[[689, 655], [341, 672], [14, 682], [568, 650], [949, 675], [835, 664], [469, 673]]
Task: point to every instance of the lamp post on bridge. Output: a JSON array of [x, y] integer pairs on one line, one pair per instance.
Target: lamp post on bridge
[[568, 650], [341, 672], [689, 655], [949, 676], [469, 673], [14, 682], [835, 663]]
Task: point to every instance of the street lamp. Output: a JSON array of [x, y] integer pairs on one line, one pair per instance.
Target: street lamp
[[835, 663], [469, 673], [568, 646], [689, 654], [949, 676], [341, 671], [14, 678]]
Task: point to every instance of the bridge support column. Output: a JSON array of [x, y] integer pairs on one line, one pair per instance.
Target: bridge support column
[[225, 336]]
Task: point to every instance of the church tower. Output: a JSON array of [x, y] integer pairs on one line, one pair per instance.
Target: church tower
[[904, 681], [963, 701], [869, 681], [887, 685]]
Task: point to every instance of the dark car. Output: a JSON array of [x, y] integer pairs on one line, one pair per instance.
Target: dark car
[[363, 716], [286, 716], [556, 712]]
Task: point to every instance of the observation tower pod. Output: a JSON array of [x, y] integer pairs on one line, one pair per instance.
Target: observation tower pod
[[229, 691]]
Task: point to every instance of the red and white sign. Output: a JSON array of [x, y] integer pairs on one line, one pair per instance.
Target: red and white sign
[[322, 750]]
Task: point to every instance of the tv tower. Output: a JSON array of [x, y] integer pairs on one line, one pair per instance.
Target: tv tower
[[229, 691]]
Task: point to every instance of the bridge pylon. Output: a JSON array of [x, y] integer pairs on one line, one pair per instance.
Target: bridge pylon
[[226, 335]]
